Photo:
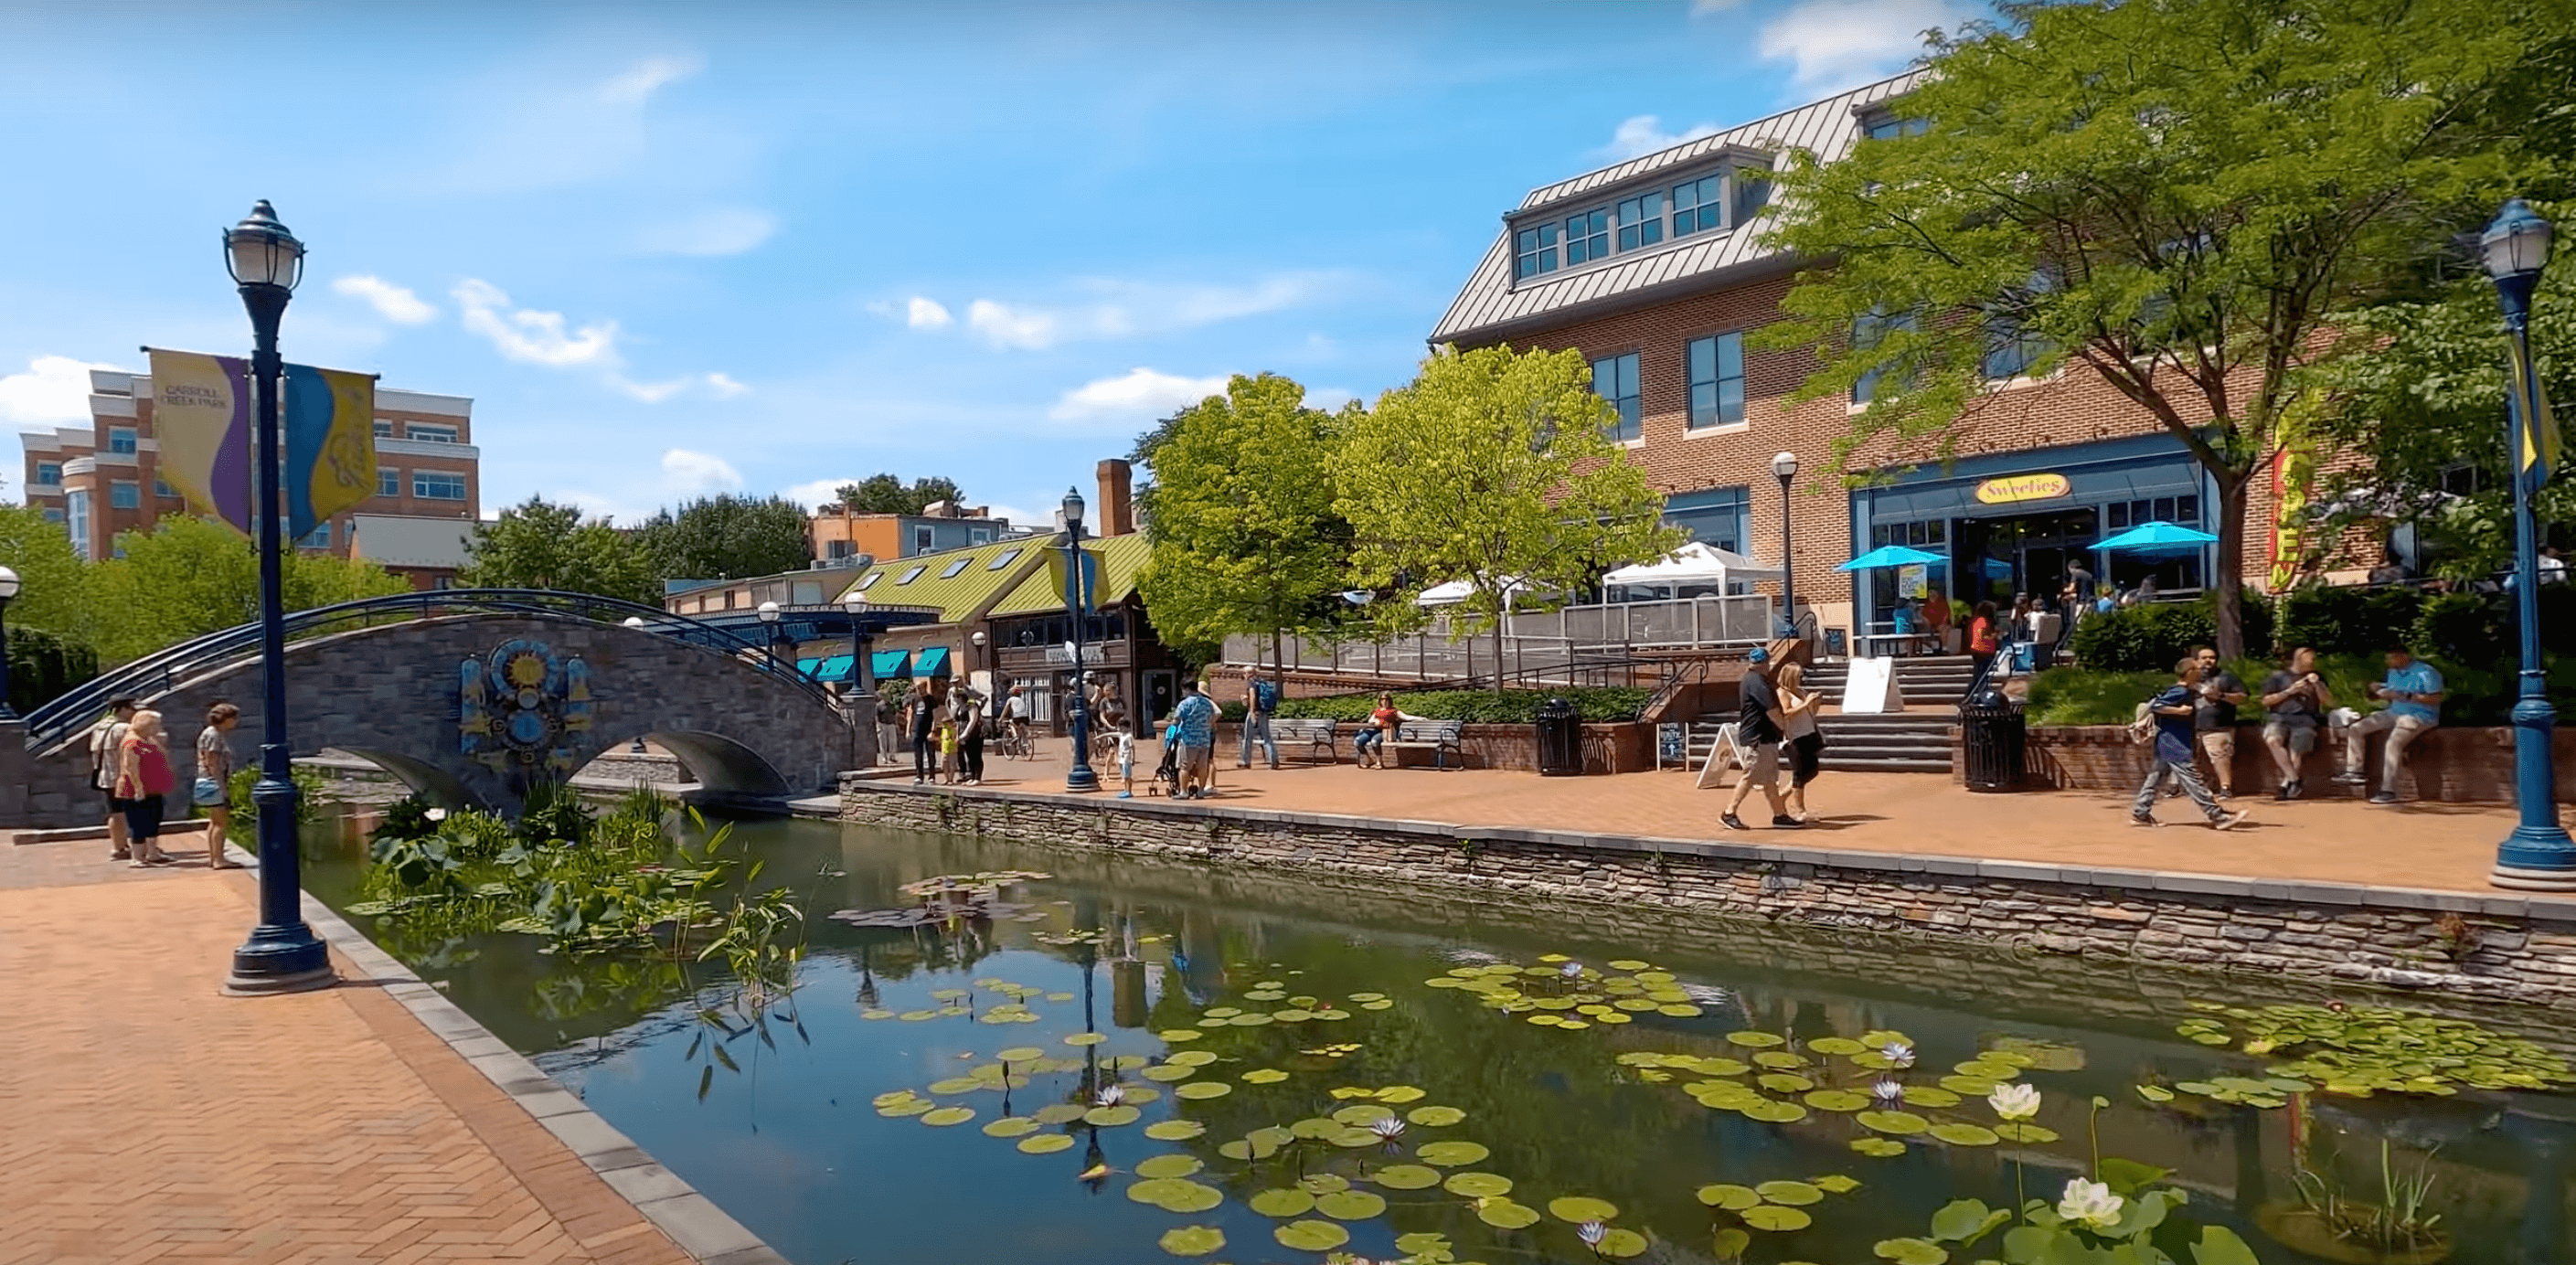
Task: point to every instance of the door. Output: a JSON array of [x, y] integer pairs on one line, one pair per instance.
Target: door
[[1162, 690]]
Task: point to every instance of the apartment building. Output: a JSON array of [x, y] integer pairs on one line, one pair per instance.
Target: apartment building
[[103, 478], [841, 535]]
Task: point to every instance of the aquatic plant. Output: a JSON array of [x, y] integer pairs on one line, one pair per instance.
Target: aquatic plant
[[2399, 1223], [2361, 1050]]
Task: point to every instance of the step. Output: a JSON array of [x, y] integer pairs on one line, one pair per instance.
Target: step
[[1832, 764]]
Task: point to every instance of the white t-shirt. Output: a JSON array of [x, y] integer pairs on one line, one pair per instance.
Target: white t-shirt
[[1127, 755], [1017, 708]]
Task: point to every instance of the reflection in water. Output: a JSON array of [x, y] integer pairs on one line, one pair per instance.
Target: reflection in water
[[792, 1147]]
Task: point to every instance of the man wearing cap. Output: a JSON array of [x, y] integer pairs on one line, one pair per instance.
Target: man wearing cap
[[106, 741], [1758, 732]]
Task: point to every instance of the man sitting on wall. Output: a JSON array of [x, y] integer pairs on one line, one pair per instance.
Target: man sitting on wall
[[2413, 690]]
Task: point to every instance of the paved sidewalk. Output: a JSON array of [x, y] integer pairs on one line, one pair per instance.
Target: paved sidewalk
[[149, 1117], [2442, 846]]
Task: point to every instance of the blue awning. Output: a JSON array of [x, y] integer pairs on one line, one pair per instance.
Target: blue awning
[[835, 668], [890, 665], [807, 666], [931, 662]]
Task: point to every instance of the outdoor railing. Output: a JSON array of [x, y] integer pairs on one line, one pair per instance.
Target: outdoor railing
[[1571, 645], [165, 668]]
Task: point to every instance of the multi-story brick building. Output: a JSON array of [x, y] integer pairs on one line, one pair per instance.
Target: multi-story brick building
[[103, 479], [1652, 268], [841, 535]]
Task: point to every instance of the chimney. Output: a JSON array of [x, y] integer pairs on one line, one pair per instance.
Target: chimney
[[1117, 512]]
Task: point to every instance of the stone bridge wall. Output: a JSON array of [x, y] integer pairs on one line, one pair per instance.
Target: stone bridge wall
[[391, 694]]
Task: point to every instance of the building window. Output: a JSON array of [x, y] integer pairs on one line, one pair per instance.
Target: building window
[[839, 549], [1716, 380], [1587, 236], [437, 485], [384, 429], [953, 568], [388, 481], [1614, 378], [1887, 127], [78, 501], [2182, 511], [873, 577], [54, 515], [979, 535], [1929, 532], [120, 439], [1715, 517], [1752, 193], [911, 575], [318, 538], [1004, 560], [125, 494], [1641, 221], [419, 433], [1868, 332], [1534, 251], [161, 488], [49, 474], [924, 539], [2010, 349], [442, 582], [1699, 206]]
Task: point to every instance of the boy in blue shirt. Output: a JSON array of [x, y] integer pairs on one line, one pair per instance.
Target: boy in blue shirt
[[2171, 757], [2414, 692]]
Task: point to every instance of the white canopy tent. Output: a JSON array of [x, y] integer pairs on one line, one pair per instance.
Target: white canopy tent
[[1693, 565], [1457, 591]]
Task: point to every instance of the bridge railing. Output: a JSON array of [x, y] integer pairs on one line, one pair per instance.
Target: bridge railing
[[162, 669]]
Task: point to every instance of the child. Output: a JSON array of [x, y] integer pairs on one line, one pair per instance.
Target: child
[[1126, 765], [948, 752]]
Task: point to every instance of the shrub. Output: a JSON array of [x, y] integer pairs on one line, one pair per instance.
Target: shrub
[[44, 666], [2346, 619], [2152, 637], [1477, 707], [2462, 628]]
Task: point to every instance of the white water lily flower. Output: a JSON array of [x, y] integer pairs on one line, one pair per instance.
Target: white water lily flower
[[436, 814], [1591, 1232], [1386, 1127], [2090, 1202], [2014, 1100], [1898, 1053], [1887, 1091], [1111, 1095]]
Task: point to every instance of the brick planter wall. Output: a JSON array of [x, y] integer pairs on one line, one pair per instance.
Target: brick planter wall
[[2468, 766], [1619, 748]]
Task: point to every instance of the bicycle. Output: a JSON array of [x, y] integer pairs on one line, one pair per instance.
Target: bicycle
[[1014, 741]]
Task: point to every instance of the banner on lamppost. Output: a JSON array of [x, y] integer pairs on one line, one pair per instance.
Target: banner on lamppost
[[2539, 441], [201, 417], [1082, 582], [330, 444]]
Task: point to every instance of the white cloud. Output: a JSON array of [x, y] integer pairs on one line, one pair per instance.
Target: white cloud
[[815, 492], [54, 389], [1329, 399], [698, 473], [531, 336], [1837, 44], [639, 82], [1140, 307], [724, 231], [1016, 516], [1006, 327], [724, 387], [1141, 395], [392, 302], [923, 313], [720, 386], [1644, 134]]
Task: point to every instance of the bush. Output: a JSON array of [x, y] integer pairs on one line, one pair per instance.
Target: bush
[[44, 666], [2151, 638], [2462, 628], [1476, 707], [2346, 619]]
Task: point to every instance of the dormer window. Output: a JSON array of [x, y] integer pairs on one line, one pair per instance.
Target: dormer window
[[1887, 126], [1641, 221], [1534, 251], [1587, 236], [1717, 198]]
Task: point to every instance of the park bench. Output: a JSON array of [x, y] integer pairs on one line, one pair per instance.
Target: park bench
[[1439, 737], [1317, 735]]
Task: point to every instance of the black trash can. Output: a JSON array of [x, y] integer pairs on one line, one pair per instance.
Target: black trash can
[[1560, 739], [1992, 729]]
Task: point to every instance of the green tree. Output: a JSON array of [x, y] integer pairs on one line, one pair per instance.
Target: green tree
[[544, 545], [1493, 467], [188, 577], [887, 494], [54, 592], [1240, 513], [2185, 199], [727, 537]]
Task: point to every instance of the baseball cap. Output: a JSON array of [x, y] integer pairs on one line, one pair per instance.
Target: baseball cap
[[1761, 654]]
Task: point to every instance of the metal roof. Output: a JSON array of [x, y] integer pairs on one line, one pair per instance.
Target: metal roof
[[959, 597], [1491, 307], [403, 541], [1122, 559]]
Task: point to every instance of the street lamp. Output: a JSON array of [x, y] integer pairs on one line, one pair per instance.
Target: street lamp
[[2538, 854], [637, 622], [1785, 465], [282, 954], [8, 591], [1079, 777], [769, 633], [981, 660]]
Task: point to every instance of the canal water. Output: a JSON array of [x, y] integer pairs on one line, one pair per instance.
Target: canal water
[[933, 1094]]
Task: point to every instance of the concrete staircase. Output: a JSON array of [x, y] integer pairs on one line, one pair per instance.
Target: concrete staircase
[[1913, 741]]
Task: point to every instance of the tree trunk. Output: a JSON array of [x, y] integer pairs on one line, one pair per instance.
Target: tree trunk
[[2232, 492], [1498, 652], [1278, 662]]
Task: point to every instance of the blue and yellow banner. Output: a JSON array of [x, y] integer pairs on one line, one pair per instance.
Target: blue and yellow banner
[[2536, 429], [330, 444]]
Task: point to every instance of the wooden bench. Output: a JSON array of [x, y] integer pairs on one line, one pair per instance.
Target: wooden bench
[[1439, 737], [1317, 735]]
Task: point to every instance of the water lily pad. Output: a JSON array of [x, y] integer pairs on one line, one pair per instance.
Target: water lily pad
[[1883, 1148], [1011, 1127], [1773, 1112], [1292, 1015], [1351, 1205], [1478, 1185], [1545, 1019], [1435, 1117], [2155, 1093], [1929, 1096], [1452, 1154], [916, 1016], [1264, 1076], [1315, 1127], [1837, 1183], [1836, 1100], [1203, 1089], [947, 1116], [1174, 1194], [1777, 1219], [1779, 1060], [1506, 1215], [1026, 1053], [908, 1107], [1364, 1113], [1283, 1203], [879, 1013], [1311, 1236], [1192, 1058], [1912, 1251], [1220, 1012], [1323, 1183], [1111, 1117], [1368, 997], [1059, 997], [1839, 1046], [1168, 1166], [1717, 1067], [1181, 1034], [1987, 1069], [1619, 1243], [1968, 1086], [1045, 1143], [1084, 1038], [1581, 1208], [1173, 1130], [1057, 1113], [1784, 1083], [892, 1097], [2024, 1131], [1731, 1197], [1400, 1094], [1730, 1243], [1193, 1240], [1896, 1122], [1168, 1072], [1379, 1004], [1406, 1177], [1755, 1040], [1798, 1193], [1963, 1134]]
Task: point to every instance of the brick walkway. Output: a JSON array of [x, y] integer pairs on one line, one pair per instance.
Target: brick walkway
[[2445, 846], [149, 1117]]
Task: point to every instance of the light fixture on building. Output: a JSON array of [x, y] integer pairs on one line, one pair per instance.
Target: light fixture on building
[[1785, 465], [8, 592]]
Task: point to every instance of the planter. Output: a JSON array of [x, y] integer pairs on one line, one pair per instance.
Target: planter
[[2300, 1229]]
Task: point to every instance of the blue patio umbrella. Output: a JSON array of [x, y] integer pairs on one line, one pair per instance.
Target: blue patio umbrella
[[1890, 556], [2157, 535]]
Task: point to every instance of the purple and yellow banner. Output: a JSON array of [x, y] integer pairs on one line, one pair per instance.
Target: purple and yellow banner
[[201, 414], [330, 444]]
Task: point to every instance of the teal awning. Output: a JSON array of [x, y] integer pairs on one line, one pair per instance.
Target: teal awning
[[890, 665], [807, 666], [931, 662], [835, 668]]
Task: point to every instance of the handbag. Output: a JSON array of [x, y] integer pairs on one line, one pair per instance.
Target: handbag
[[209, 793]]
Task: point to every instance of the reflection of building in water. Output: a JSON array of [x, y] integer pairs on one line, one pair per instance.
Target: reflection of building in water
[[1127, 997]]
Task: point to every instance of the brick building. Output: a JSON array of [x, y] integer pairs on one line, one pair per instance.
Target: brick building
[[103, 478], [841, 535], [1652, 269]]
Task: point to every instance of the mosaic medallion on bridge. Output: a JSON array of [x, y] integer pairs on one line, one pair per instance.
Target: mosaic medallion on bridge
[[518, 709]]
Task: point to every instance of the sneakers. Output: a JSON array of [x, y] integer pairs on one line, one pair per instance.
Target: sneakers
[[1783, 821], [2351, 779], [1732, 821], [2136, 820], [1126, 794], [2229, 820], [2293, 788], [2384, 797], [2227, 792]]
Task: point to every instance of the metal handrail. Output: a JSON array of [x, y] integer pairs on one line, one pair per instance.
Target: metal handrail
[[80, 707]]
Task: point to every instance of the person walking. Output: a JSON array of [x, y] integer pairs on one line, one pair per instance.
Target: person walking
[[2413, 691], [1983, 639], [1804, 742], [2213, 718], [106, 742], [143, 786], [213, 789], [1757, 730], [920, 719], [2172, 712], [1195, 719], [2295, 700], [966, 713], [1260, 700]]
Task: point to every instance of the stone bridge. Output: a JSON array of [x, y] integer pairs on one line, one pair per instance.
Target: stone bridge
[[474, 708]]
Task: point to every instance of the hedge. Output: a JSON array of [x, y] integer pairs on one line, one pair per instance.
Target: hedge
[[44, 666], [2154, 636], [1476, 707]]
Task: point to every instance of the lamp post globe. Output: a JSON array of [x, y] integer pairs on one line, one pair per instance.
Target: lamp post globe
[[1785, 466], [8, 591], [634, 621], [282, 954], [1077, 603], [2538, 855]]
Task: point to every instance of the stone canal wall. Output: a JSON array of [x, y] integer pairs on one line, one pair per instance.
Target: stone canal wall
[[2467, 945]]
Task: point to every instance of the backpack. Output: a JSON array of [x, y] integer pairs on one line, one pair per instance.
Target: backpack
[[2142, 725], [1265, 697]]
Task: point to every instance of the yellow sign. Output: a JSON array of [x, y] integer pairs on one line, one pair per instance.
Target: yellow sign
[[2022, 487]]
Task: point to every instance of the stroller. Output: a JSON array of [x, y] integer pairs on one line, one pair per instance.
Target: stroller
[[1167, 775]]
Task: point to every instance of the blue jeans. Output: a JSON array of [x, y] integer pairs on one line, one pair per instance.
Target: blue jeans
[[1365, 739], [1257, 726]]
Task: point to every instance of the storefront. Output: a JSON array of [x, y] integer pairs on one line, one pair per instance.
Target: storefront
[[2012, 523]]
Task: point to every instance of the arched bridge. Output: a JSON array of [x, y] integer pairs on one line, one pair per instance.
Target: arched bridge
[[470, 696]]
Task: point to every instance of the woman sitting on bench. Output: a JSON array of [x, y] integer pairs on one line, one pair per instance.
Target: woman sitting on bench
[[1377, 730]]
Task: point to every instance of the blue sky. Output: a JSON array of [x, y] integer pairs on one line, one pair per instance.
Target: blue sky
[[673, 249]]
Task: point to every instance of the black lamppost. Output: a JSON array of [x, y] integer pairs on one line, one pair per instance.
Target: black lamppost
[[2538, 854], [636, 622], [1785, 465], [282, 955], [8, 591], [1079, 777]]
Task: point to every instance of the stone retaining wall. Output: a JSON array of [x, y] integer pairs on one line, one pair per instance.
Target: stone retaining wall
[[1607, 748], [2451, 765], [2502, 948]]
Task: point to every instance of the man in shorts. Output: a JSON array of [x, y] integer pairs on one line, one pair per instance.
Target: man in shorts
[[2213, 718], [2295, 701], [1758, 732], [106, 741], [1195, 718]]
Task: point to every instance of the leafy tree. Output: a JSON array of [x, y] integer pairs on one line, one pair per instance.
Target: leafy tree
[[54, 581], [2184, 199], [727, 537], [544, 545], [1493, 467], [188, 577], [887, 494], [1240, 513]]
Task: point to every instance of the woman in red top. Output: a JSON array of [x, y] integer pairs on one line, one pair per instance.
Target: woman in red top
[[143, 777], [1375, 731], [1983, 639]]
